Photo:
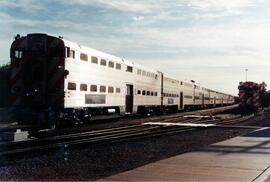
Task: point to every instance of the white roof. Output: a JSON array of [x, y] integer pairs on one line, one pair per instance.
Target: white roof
[[104, 55]]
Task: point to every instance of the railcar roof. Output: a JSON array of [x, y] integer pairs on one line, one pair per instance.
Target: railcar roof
[[104, 55], [107, 56]]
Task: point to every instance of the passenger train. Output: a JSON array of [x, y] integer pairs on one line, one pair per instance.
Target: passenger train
[[53, 79]]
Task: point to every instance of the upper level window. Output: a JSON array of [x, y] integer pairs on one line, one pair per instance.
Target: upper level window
[[83, 57], [102, 89], [94, 60], [118, 66], [143, 92], [93, 88], [103, 62], [129, 69], [71, 86], [143, 73], [111, 64], [83, 87], [72, 53], [139, 92], [69, 53], [118, 90], [110, 89]]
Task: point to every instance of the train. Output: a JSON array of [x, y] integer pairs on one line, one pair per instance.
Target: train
[[55, 80], [252, 97]]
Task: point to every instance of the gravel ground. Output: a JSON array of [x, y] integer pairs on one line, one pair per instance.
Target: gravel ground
[[92, 162]]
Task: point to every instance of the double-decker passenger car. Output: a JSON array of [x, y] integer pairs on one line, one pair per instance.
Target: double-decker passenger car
[[53, 80]]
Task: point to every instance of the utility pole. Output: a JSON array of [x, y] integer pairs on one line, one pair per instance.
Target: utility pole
[[246, 73]]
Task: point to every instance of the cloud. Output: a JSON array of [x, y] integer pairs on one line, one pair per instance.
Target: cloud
[[138, 18], [120, 5], [220, 5], [24, 5]]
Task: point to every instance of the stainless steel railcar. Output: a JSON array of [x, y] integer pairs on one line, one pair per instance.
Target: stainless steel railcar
[[53, 79]]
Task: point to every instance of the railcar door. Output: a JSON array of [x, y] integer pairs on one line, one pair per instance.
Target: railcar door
[[202, 100], [129, 99], [181, 100], [34, 72]]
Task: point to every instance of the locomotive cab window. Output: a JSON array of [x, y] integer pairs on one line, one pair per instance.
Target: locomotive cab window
[[71, 86], [17, 54]]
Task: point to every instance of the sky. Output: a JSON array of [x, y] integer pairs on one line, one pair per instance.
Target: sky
[[209, 41]]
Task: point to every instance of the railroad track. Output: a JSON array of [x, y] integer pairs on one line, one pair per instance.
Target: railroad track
[[111, 135], [93, 137]]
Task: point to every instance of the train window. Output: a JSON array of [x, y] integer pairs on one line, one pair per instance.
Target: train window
[[139, 92], [67, 52], [155, 93], [187, 96], [148, 74], [102, 88], [110, 89], [93, 88], [118, 90], [111, 64], [139, 72], [143, 73], [143, 92], [103, 62], [94, 60], [118, 66], [83, 87], [129, 69], [72, 53], [148, 93], [17, 54], [152, 93], [71, 86], [83, 57]]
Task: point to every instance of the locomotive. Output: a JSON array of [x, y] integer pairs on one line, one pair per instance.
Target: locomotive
[[55, 80], [252, 96]]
